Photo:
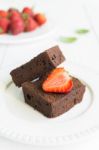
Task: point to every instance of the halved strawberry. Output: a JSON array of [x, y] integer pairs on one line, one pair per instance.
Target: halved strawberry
[[58, 81]]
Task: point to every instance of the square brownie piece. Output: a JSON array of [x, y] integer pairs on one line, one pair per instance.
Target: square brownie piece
[[52, 104], [38, 66]]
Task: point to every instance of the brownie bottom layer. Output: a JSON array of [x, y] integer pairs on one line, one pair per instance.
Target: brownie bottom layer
[[52, 104]]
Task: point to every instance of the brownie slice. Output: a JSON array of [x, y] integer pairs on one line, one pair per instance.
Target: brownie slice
[[52, 104], [38, 66]]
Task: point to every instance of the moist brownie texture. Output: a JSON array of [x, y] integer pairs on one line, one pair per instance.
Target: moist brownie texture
[[38, 66], [52, 104]]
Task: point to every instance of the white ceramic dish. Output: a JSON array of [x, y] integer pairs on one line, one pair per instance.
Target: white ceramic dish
[[20, 122], [42, 32]]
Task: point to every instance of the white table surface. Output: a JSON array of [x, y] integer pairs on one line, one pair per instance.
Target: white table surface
[[85, 51]]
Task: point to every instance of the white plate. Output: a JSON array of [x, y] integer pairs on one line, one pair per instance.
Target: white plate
[[20, 122], [41, 32]]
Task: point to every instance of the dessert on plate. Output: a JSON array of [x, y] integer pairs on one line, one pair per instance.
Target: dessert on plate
[[48, 89]]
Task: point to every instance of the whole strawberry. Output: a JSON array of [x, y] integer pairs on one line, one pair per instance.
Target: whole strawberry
[[13, 14], [40, 18], [12, 9], [28, 11], [17, 26], [30, 24], [3, 14], [4, 25]]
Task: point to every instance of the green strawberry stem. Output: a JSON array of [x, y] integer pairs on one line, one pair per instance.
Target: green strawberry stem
[[25, 16]]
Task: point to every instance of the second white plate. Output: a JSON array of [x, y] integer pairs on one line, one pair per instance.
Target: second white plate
[[34, 36]]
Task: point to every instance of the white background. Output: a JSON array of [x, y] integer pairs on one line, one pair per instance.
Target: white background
[[69, 15]]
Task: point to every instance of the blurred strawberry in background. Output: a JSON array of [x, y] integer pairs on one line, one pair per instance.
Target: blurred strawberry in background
[[28, 11], [3, 14], [40, 18], [4, 25], [14, 21]]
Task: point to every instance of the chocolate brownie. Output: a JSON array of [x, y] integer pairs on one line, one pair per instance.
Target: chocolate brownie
[[38, 66], [52, 104]]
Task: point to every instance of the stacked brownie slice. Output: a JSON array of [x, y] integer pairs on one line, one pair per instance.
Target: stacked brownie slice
[[38, 66], [50, 104]]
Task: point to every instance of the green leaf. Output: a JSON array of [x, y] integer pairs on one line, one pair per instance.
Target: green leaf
[[82, 31], [68, 39]]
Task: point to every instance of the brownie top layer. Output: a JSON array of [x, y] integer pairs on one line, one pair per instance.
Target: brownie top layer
[[55, 55], [38, 66], [35, 88]]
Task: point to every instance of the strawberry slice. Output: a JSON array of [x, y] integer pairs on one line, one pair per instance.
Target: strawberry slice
[[58, 81]]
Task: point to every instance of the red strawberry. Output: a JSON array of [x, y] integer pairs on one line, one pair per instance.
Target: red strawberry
[[58, 81], [24, 16], [17, 26], [4, 24], [30, 24], [12, 9], [28, 11], [40, 18], [14, 14], [3, 14]]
